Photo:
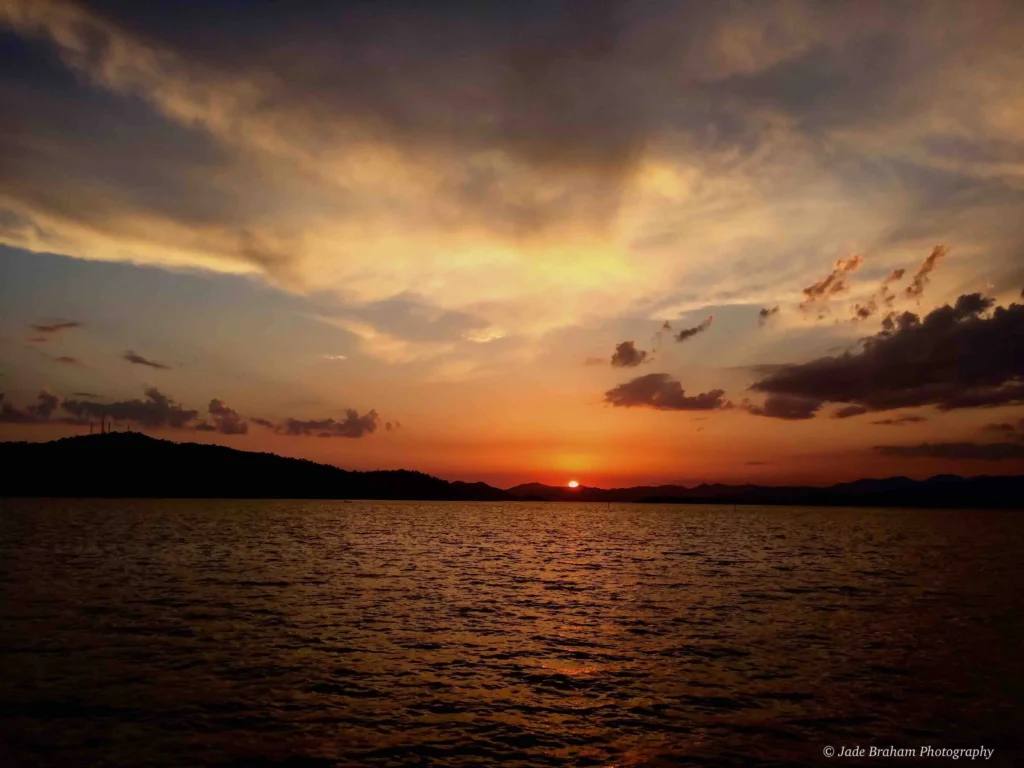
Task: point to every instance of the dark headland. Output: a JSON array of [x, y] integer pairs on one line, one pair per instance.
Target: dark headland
[[133, 465]]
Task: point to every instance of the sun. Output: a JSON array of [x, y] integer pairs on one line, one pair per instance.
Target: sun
[[573, 484]]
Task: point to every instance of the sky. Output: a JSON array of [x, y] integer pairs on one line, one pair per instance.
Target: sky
[[622, 243]]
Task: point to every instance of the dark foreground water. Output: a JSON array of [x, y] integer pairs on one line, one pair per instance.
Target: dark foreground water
[[266, 633]]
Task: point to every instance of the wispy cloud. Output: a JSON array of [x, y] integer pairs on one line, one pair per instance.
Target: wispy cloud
[[56, 327], [131, 357]]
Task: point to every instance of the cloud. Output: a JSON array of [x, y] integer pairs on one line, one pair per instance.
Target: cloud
[[787, 407], [351, 155], [45, 405], [662, 392], [353, 425], [67, 360], [958, 451], [386, 346], [999, 428], [896, 274], [156, 411], [883, 298], [848, 411], [865, 310], [628, 356], [57, 327], [900, 420], [885, 294], [39, 412], [956, 357], [832, 284], [594, 361], [920, 278], [225, 420], [1016, 430], [131, 357], [688, 333], [11, 414], [765, 314]]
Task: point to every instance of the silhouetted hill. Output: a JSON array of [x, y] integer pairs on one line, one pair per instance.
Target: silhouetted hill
[[941, 491], [129, 464]]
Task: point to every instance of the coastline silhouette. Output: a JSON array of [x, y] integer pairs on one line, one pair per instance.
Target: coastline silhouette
[[134, 465]]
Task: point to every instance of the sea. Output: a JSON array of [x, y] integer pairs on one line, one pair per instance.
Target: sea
[[308, 634]]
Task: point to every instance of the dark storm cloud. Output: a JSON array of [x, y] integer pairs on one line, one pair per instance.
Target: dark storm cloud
[[900, 420], [662, 392], [832, 284], [353, 425], [627, 355], [131, 357], [765, 314], [898, 321], [157, 410], [920, 278], [958, 451], [51, 328], [956, 357], [689, 333], [787, 407]]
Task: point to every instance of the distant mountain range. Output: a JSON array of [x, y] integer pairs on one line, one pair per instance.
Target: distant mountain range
[[940, 491], [133, 465]]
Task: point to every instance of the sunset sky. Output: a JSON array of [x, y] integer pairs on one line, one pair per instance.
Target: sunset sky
[[626, 243]]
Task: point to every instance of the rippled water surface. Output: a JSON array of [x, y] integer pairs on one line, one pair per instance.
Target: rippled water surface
[[272, 633]]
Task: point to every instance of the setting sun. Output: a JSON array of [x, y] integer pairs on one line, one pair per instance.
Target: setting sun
[[573, 484]]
